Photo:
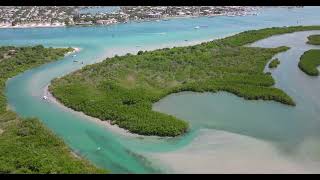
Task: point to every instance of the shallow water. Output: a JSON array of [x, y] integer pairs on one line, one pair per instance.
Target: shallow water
[[282, 128], [288, 131]]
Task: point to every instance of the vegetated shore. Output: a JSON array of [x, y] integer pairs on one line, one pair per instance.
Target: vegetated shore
[[237, 41], [107, 124], [113, 127], [27, 146], [314, 39], [309, 62]]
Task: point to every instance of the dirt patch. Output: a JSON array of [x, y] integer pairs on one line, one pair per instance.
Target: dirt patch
[[1, 131], [131, 78]]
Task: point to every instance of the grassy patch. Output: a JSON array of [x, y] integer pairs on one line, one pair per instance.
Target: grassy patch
[[274, 63], [123, 89], [26, 145], [314, 39], [309, 62]]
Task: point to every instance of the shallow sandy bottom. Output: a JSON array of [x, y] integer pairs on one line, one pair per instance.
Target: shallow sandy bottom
[[222, 152]]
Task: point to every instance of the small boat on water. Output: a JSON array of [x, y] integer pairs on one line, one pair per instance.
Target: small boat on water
[[98, 149], [197, 27], [74, 55], [75, 61], [45, 97]]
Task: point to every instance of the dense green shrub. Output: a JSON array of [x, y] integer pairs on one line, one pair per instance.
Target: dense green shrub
[[274, 63], [27, 146], [309, 62]]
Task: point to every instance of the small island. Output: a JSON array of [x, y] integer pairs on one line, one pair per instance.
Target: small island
[[309, 62], [274, 63], [26, 145], [314, 39]]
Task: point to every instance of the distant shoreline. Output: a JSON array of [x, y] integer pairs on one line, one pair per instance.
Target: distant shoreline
[[33, 25]]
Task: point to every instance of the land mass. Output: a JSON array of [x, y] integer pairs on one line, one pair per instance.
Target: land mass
[[309, 62], [274, 63], [314, 39], [122, 89], [26, 145]]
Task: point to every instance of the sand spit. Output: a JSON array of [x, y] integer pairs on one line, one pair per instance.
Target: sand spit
[[216, 151]]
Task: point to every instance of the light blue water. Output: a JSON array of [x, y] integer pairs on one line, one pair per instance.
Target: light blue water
[[95, 10], [123, 154]]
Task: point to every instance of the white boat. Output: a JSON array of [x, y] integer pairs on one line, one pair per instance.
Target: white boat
[[45, 97], [197, 27], [74, 55], [98, 148]]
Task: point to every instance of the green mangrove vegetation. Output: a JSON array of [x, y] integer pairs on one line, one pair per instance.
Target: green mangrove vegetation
[[314, 39], [122, 89], [26, 145], [309, 62], [274, 63]]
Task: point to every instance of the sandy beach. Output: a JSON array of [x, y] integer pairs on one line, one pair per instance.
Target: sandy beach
[[114, 128], [75, 50], [214, 151]]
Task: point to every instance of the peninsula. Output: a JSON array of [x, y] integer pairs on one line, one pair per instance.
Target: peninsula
[[309, 62], [122, 89]]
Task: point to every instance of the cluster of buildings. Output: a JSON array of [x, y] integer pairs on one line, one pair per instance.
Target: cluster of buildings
[[160, 12], [34, 15], [19, 16], [145, 13]]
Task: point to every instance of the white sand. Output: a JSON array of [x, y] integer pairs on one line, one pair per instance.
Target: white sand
[[75, 50], [107, 124], [223, 152]]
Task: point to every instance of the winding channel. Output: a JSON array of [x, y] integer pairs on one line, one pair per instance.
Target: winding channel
[[228, 133]]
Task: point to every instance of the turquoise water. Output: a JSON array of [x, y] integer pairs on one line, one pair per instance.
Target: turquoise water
[[284, 127], [95, 10]]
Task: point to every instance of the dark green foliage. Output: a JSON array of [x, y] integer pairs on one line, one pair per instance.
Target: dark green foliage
[[314, 39], [123, 88], [251, 36], [309, 62], [140, 52], [274, 63], [26, 146]]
